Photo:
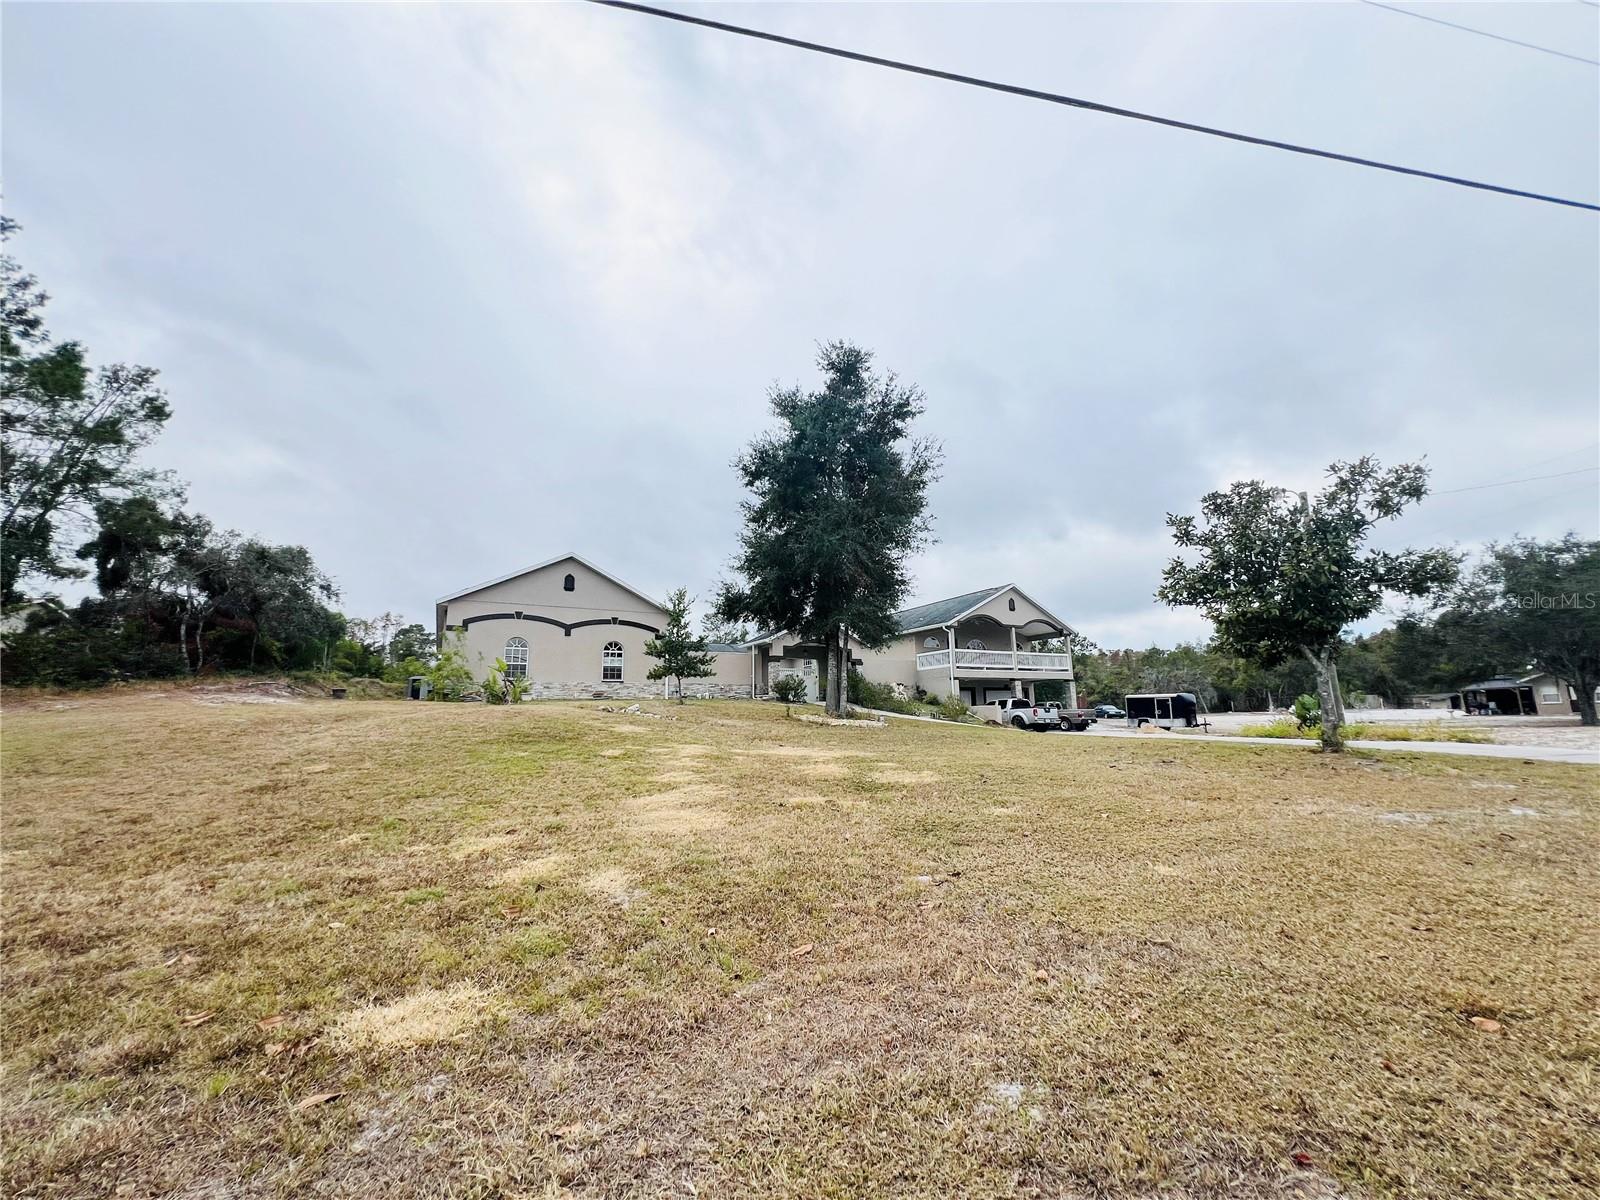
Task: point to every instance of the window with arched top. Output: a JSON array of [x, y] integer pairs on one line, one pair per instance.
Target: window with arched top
[[1012, 604], [976, 644], [932, 643], [569, 584], [611, 663], [516, 657]]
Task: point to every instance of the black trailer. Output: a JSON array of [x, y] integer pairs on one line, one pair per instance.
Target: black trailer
[[1169, 710]]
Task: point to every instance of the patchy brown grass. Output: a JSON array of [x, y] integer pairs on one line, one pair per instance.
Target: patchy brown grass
[[544, 949]]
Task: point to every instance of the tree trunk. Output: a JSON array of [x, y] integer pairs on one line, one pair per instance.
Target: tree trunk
[[679, 680], [1328, 694], [199, 645], [1586, 711], [838, 689], [183, 639], [255, 636], [1338, 691]]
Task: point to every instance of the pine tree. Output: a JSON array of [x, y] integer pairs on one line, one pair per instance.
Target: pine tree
[[681, 654]]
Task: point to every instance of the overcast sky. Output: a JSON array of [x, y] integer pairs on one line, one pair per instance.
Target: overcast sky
[[443, 292]]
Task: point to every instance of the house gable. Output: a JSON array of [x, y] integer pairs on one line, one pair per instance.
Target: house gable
[[595, 594]]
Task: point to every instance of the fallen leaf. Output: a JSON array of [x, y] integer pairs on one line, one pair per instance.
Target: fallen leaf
[[802, 951], [511, 912], [642, 1150], [271, 1022], [190, 1020], [1388, 1066], [1301, 1158], [1041, 976], [318, 1098], [1486, 1025], [273, 1049]]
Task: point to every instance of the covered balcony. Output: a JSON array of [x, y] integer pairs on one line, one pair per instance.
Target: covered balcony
[[1007, 664]]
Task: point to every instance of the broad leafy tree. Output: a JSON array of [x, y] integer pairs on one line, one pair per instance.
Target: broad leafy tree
[[68, 437], [838, 503], [1281, 575], [1537, 604], [679, 653], [412, 643]]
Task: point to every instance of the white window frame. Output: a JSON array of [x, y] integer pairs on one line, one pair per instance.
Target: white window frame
[[976, 644], [517, 663], [932, 643], [612, 658]]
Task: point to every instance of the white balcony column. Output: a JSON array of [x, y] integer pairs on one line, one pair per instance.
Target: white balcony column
[[950, 651]]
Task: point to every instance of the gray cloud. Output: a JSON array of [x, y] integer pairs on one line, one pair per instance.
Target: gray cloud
[[441, 292]]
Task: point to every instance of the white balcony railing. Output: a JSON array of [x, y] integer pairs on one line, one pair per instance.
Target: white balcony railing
[[1021, 662]]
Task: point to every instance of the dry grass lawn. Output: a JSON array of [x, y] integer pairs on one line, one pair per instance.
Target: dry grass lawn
[[389, 949]]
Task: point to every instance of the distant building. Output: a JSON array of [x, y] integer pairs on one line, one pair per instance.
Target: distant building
[[1540, 694]]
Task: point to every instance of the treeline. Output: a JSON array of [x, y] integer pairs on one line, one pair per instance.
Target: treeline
[[1528, 605], [175, 594]]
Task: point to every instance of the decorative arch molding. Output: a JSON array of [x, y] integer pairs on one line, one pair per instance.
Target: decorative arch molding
[[565, 628]]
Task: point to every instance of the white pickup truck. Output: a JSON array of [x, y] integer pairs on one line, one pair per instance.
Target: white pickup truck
[[1020, 712]]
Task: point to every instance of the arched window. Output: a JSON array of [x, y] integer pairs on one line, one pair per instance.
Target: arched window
[[569, 584], [516, 657], [931, 643], [1012, 604], [611, 663], [976, 644]]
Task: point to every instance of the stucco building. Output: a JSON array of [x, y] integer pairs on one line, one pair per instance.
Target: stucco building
[[575, 631]]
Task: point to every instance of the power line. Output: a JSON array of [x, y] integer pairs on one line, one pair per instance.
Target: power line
[[1478, 487], [1406, 12], [1077, 102]]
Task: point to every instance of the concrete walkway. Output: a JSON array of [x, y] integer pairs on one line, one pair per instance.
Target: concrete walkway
[[1589, 757]]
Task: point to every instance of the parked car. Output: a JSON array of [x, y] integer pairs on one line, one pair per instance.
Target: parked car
[[1074, 719], [1109, 711], [1024, 714]]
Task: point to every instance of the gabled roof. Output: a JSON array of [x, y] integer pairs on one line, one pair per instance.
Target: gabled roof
[[936, 613], [550, 562], [942, 612]]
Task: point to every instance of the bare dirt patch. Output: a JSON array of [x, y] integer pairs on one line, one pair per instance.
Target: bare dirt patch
[[612, 884], [685, 809], [534, 870], [416, 1019]]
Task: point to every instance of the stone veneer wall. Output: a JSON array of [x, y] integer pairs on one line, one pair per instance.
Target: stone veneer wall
[[695, 689]]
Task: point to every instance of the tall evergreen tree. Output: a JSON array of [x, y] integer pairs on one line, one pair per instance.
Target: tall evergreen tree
[[838, 503]]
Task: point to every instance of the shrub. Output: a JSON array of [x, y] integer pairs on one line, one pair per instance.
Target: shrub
[[791, 689], [1307, 712], [450, 678], [953, 708]]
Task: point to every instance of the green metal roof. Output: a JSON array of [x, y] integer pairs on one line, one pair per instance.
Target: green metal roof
[[938, 612], [941, 612]]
